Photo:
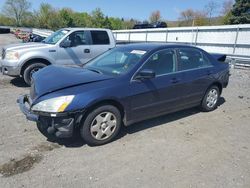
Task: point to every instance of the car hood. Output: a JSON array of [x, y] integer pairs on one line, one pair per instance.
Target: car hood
[[26, 46], [55, 78]]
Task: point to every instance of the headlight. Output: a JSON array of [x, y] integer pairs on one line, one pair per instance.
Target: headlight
[[58, 104], [11, 55]]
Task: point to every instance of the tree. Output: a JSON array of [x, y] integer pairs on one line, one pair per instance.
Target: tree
[[200, 18], [16, 9], [129, 24], [240, 12], [155, 16], [65, 15], [186, 17], [97, 18], [47, 17], [82, 19], [6, 20], [226, 7], [211, 9], [190, 17], [116, 23], [226, 11]]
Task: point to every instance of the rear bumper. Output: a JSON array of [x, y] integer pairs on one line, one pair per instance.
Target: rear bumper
[[61, 125]]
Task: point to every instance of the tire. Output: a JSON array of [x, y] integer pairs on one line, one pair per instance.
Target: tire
[[210, 99], [29, 70], [101, 125]]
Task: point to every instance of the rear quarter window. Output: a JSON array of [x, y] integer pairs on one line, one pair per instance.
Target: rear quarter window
[[100, 37], [189, 58]]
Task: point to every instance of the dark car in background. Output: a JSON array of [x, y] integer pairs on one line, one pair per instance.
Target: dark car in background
[[124, 85], [149, 26], [35, 38], [160, 25]]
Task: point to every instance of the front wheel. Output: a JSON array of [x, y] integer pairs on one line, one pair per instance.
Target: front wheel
[[30, 70], [210, 99], [101, 125]]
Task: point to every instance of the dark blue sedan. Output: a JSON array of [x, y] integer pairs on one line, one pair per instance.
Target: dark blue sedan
[[124, 85]]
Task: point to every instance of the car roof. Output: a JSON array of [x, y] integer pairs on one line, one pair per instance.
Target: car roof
[[85, 28], [153, 46]]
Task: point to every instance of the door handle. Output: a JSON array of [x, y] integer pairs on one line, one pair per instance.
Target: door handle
[[175, 80], [86, 50]]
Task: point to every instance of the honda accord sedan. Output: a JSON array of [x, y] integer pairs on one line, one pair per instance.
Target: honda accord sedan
[[124, 85]]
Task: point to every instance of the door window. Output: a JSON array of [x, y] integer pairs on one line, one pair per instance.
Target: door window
[[77, 38], [192, 59], [100, 37], [162, 62]]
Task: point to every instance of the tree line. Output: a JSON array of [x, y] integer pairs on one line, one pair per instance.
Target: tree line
[[17, 13]]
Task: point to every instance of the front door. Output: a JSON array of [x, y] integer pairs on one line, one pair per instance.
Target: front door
[[79, 51], [152, 97]]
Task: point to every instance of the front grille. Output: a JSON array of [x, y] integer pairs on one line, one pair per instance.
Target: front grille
[[3, 53]]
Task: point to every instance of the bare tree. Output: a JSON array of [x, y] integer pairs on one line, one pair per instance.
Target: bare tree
[[226, 7], [191, 17], [16, 9], [211, 8], [155, 16], [187, 17]]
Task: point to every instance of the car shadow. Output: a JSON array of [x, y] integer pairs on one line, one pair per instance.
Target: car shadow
[[18, 82], [74, 142], [77, 141]]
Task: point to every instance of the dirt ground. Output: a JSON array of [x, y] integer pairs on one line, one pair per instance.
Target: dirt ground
[[184, 149]]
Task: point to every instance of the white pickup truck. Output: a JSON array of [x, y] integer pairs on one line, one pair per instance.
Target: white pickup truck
[[68, 46]]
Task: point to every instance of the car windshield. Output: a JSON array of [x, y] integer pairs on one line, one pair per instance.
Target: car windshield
[[56, 36], [117, 61]]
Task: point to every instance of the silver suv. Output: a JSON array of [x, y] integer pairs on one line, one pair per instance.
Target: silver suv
[[68, 46]]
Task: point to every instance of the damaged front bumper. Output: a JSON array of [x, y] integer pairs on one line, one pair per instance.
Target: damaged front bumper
[[59, 124]]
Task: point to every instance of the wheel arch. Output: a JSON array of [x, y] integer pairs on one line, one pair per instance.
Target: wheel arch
[[112, 102], [218, 84], [29, 62]]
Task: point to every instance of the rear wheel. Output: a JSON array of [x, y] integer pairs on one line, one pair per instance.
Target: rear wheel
[[210, 99], [30, 70], [101, 125]]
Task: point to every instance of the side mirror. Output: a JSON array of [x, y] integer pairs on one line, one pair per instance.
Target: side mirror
[[65, 44], [145, 74]]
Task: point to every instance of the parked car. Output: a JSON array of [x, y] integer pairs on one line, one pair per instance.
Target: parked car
[[69, 46], [142, 26], [127, 84], [33, 38], [149, 26], [160, 25], [37, 38]]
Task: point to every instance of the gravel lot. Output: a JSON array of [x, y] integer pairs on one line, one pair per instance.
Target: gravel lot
[[184, 149]]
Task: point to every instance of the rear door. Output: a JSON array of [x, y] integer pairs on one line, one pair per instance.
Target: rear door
[[100, 42], [158, 95], [79, 51], [197, 73]]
